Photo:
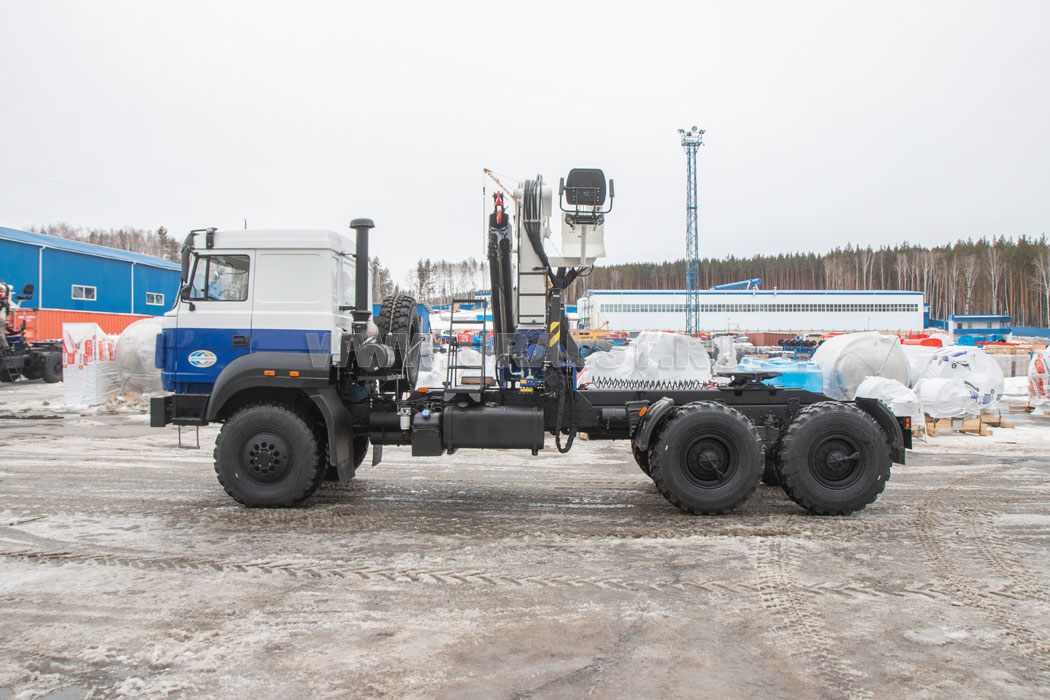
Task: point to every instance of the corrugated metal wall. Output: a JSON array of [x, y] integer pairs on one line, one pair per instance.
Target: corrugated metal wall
[[46, 324], [156, 281], [19, 264], [116, 291], [111, 279]]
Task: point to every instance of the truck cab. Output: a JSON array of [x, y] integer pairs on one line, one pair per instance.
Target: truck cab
[[255, 291]]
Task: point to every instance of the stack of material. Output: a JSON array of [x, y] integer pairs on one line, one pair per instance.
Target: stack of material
[[433, 369], [137, 372], [901, 400], [974, 372], [847, 360], [919, 358], [1012, 359], [945, 397], [652, 356], [1039, 378], [89, 372]]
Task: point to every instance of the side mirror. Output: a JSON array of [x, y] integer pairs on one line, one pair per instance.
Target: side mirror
[[184, 291], [28, 290]]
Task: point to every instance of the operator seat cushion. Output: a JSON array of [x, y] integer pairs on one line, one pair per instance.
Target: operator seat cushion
[[585, 187]]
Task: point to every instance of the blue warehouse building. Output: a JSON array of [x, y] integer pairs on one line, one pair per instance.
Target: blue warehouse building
[[82, 282]]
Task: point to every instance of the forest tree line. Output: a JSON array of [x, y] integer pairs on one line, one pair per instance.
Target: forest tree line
[[987, 276], [158, 243]]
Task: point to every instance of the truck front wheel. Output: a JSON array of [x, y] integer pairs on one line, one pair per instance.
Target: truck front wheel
[[267, 456]]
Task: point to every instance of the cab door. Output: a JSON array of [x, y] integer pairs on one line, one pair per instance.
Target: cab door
[[293, 304], [214, 319]]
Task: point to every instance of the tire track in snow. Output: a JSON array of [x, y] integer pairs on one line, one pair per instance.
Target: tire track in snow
[[799, 626], [931, 524]]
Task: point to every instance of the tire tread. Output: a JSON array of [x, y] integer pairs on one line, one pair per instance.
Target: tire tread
[[656, 457], [318, 472], [790, 482]]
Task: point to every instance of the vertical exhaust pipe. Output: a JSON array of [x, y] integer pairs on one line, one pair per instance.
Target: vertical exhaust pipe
[[361, 310]]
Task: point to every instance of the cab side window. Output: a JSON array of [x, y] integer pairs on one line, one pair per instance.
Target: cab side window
[[220, 278]]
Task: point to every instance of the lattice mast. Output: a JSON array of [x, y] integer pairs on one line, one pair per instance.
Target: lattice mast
[[692, 140]]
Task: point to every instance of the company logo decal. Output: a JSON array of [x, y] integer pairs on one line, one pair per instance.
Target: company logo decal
[[202, 358]]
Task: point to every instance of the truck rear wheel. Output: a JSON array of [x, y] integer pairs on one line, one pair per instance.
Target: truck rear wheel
[[707, 458], [834, 459], [51, 372], [267, 456], [400, 328]]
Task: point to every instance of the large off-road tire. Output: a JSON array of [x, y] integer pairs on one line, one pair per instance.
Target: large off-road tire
[[399, 327], [360, 450], [642, 458], [834, 459], [51, 372], [267, 456], [706, 458]]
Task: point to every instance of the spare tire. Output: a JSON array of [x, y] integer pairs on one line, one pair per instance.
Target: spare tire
[[400, 328]]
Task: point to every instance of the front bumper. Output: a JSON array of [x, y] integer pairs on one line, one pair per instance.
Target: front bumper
[[180, 409]]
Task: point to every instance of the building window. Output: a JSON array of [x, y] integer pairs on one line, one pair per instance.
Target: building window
[[154, 299], [81, 291]]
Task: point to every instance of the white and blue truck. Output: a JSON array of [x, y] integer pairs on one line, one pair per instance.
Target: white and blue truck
[[272, 337]]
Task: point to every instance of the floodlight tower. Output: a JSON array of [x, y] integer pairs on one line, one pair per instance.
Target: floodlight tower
[[692, 140]]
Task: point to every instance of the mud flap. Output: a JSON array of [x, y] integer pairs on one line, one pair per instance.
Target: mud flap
[[888, 422], [653, 415]]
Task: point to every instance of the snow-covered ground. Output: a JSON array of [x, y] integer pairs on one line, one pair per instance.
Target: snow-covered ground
[[126, 571]]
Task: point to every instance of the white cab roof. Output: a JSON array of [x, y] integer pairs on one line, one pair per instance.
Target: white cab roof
[[281, 238]]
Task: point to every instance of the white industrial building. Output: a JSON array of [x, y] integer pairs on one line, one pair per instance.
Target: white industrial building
[[754, 310]]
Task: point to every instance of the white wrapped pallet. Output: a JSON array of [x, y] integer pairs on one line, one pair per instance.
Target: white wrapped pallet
[[976, 368], [726, 346], [89, 372], [652, 356], [433, 371], [135, 354], [901, 400], [847, 360], [946, 397], [919, 358], [1039, 377]]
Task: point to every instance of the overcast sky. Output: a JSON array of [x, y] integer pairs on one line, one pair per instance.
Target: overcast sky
[[827, 123]]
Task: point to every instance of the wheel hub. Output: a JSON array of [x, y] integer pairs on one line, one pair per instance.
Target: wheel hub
[[266, 458], [709, 462], [836, 462]]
